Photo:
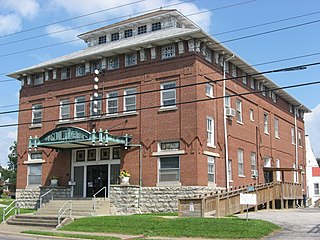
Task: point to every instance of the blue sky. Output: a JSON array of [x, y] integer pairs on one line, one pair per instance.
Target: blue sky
[[21, 15]]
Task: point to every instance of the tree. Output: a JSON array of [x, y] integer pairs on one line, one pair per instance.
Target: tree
[[11, 172]]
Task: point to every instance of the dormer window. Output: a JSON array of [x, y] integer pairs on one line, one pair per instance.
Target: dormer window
[[114, 36], [142, 29], [128, 33], [156, 26], [102, 39], [65, 73], [38, 79]]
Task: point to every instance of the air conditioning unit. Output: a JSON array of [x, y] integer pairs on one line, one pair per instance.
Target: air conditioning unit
[[254, 173], [230, 112]]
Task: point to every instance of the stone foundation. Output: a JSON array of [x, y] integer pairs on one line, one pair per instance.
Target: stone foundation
[[125, 199]]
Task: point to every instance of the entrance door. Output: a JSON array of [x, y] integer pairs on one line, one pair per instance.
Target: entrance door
[[78, 178], [97, 178]]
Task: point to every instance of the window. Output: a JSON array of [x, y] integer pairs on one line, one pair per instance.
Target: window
[[80, 107], [227, 100], [233, 70], [208, 55], [230, 169], [64, 110], [295, 173], [266, 123], [169, 169], [211, 169], [210, 131], [252, 115], [34, 174], [113, 63], [293, 140], [54, 74], [116, 153], [278, 173], [130, 100], [114, 36], [300, 138], [142, 29], [131, 59], [36, 114], [316, 188], [252, 83], [95, 65], [253, 157], [168, 94], [209, 90], [102, 39], [95, 105], [165, 146], [263, 88], [226, 64], [290, 108], [267, 161], [38, 79], [80, 70], [114, 173], [239, 110], [168, 51], [35, 156], [112, 102], [128, 33], [65, 73], [244, 80], [156, 26], [274, 97], [240, 162], [276, 127]]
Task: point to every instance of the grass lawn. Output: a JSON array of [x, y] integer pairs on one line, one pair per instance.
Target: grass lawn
[[156, 225], [7, 201]]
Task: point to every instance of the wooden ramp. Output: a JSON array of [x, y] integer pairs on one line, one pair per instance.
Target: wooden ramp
[[222, 203]]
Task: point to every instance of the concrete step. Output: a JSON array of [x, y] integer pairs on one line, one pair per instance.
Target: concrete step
[[32, 220]]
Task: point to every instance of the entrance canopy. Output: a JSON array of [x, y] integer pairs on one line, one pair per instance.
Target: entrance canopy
[[74, 137]]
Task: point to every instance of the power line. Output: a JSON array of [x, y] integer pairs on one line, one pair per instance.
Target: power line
[[97, 117], [294, 68]]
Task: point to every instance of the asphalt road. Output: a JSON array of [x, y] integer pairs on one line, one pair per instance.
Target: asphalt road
[[296, 223]]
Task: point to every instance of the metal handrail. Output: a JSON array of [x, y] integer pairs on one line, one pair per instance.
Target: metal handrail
[[10, 207], [94, 196], [60, 212], [46, 193]]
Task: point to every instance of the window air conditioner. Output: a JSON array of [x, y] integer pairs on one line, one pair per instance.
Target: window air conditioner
[[254, 172], [230, 112]]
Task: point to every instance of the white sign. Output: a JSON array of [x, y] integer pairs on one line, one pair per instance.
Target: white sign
[[248, 199]]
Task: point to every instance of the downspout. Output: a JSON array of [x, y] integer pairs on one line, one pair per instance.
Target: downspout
[[225, 122], [296, 142]]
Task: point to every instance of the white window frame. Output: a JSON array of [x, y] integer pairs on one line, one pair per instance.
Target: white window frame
[[131, 59], [252, 83], [253, 158], [102, 39], [34, 175], [128, 33], [293, 136], [316, 187], [299, 138], [278, 173], [266, 123], [36, 109], [161, 170], [165, 91], [64, 110], [239, 110], [276, 128], [233, 70], [230, 170], [78, 103], [208, 55], [209, 90], [114, 36], [142, 29], [112, 103], [156, 26], [251, 115], [227, 100], [240, 162], [129, 94], [113, 62], [80, 70], [244, 80], [210, 132], [168, 51], [65, 73], [38, 79], [211, 170]]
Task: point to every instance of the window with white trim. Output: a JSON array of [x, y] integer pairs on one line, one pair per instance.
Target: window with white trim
[[102, 39], [276, 127], [267, 161], [209, 90], [266, 123], [112, 102], [253, 157], [274, 96], [299, 138], [65, 110], [130, 100], [233, 70], [239, 110], [316, 189], [80, 70], [252, 83], [244, 80], [113, 62], [156, 26], [142, 29], [80, 107], [251, 115], [168, 94], [169, 169], [65, 73], [168, 51], [293, 136], [211, 169], [130, 59], [240, 162], [95, 65], [34, 174], [36, 114], [210, 131], [35, 156], [169, 146], [115, 36], [278, 173], [230, 170], [227, 100], [95, 104], [128, 33], [38, 79], [208, 54]]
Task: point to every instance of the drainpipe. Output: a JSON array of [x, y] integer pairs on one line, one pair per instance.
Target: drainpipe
[[296, 141], [225, 122]]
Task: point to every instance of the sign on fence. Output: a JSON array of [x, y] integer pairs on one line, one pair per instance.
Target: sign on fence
[[248, 199]]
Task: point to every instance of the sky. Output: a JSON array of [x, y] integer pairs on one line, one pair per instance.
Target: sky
[[27, 26]]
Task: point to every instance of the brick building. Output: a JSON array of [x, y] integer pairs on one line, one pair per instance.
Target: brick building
[[155, 108]]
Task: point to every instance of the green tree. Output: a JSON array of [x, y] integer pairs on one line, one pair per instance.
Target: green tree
[[11, 172]]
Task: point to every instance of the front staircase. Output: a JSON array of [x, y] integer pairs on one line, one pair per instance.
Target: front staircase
[[47, 215]]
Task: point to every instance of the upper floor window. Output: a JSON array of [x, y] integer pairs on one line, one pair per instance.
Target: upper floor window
[[210, 131], [95, 65], [115, 36], [95, 105], [64, 110], [169, 146], [240, 162], [293, 136], [208, 55], [130, 100], [252, 83], [38, 79], [80, 107], [252, 115], [276, 127], [54, 74], [254, 171], [102, 39], [300, 138], [65, 73], [156, 26], [113, 62], [239, 110], [274, 96], [142, 29], [168, 94], [266, 123], [244, 80], [168, 51], [112, 102], [128, 33], [209, 90], [36, 114], [233, 70], [227, 100], [130, 59], [80, 70]]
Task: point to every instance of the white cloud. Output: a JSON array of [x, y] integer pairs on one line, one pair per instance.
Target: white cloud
[[9, 24], [313, 129], [25, 8], [59, 32]]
